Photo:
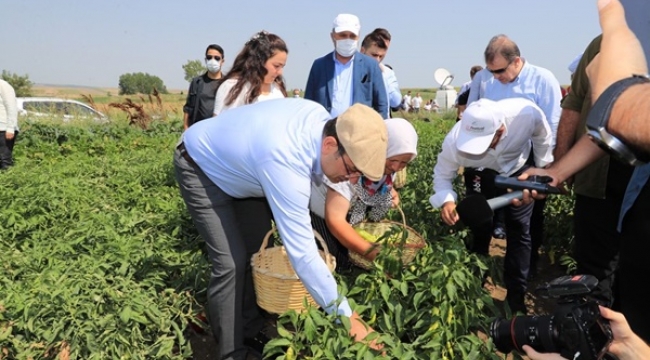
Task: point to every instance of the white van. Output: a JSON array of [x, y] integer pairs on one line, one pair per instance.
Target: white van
[[55, 107]]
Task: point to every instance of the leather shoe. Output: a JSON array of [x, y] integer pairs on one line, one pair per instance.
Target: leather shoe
[[257, 343], [516, 303], [499, 233], [253, 355]]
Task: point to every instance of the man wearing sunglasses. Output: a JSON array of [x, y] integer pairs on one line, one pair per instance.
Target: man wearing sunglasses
[[508, 75], [200, 97]]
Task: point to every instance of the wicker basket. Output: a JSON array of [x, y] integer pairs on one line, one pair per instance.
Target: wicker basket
[[414, 241], [277, 286]]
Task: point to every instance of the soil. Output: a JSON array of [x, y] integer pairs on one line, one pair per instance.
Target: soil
[[546, 272], [204, 346]]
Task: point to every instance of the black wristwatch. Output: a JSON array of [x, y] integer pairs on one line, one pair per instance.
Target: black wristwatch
[[599, 117]]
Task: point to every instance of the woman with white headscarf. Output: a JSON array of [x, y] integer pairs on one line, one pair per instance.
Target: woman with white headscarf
[[336, 207]]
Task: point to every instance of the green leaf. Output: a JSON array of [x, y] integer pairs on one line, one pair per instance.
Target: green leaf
[[385, 291]]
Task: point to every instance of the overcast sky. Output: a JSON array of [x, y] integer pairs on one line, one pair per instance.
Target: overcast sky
[[92, 43]]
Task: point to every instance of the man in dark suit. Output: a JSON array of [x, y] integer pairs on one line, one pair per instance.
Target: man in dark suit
[[346, 76]]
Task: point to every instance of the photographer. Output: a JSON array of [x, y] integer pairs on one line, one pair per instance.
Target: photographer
[[626, 345], [621, 56]]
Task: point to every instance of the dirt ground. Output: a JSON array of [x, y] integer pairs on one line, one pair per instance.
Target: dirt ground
[[546, 272], [204, 345]]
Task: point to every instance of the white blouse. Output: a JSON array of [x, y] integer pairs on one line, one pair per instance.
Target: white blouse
[[224, 89]]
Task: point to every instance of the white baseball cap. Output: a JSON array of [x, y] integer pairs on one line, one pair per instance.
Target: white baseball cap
[[480, 121], [347, 22]]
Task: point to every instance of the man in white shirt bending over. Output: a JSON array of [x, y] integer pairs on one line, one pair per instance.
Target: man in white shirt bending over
[[284, 145], [496, 135]]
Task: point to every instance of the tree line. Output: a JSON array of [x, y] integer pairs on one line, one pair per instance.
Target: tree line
[[129, 84]]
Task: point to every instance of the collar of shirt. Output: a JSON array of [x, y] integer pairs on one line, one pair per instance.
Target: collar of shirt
[[337, 62], [316, 168], [524, 69]]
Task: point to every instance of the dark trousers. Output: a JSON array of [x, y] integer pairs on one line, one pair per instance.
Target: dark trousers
[[6, 150], [634, 263], [233, 230], [597, 240], [481, 181], [537, 233], [518, 250], [518, 246], [499, 218]]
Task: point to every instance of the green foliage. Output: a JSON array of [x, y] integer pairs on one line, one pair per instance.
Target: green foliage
[[431, 309], [21, 84], [98, 257], [143, 83], [559, 230], [192, 69]]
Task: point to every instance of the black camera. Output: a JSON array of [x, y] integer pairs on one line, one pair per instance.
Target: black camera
[[576, 329]]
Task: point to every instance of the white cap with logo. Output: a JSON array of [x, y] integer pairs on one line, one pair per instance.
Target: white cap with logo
[[347, 22], [481, 119]]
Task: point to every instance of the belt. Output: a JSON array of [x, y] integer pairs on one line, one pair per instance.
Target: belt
[[185, 155]]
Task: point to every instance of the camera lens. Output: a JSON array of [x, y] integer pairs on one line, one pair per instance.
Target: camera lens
[[535, 331]]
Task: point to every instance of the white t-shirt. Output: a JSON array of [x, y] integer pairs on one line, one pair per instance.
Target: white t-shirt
[[417, 102], [224, 89], [407, 101]]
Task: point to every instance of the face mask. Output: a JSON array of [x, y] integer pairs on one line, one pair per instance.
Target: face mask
[[346, 47], [213, 66]]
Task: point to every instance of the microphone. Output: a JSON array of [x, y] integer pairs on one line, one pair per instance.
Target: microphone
[[475, 210], [504, 200]]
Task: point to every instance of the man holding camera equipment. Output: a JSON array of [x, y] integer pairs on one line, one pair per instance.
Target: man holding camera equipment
[[495, 135], [626, 345], [621, 127], [578, 329], [574, 330]]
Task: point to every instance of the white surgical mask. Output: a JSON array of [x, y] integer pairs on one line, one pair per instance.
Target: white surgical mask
[[346, 47], [213, 66]]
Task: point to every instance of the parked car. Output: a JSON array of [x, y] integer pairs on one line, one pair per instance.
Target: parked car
[[59, 108]]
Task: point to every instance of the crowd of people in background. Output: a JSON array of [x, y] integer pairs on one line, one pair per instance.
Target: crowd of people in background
[[254, 154], [329, 162]]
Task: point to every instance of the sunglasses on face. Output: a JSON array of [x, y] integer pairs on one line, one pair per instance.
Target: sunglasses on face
[[210, 57], [500, 71]]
